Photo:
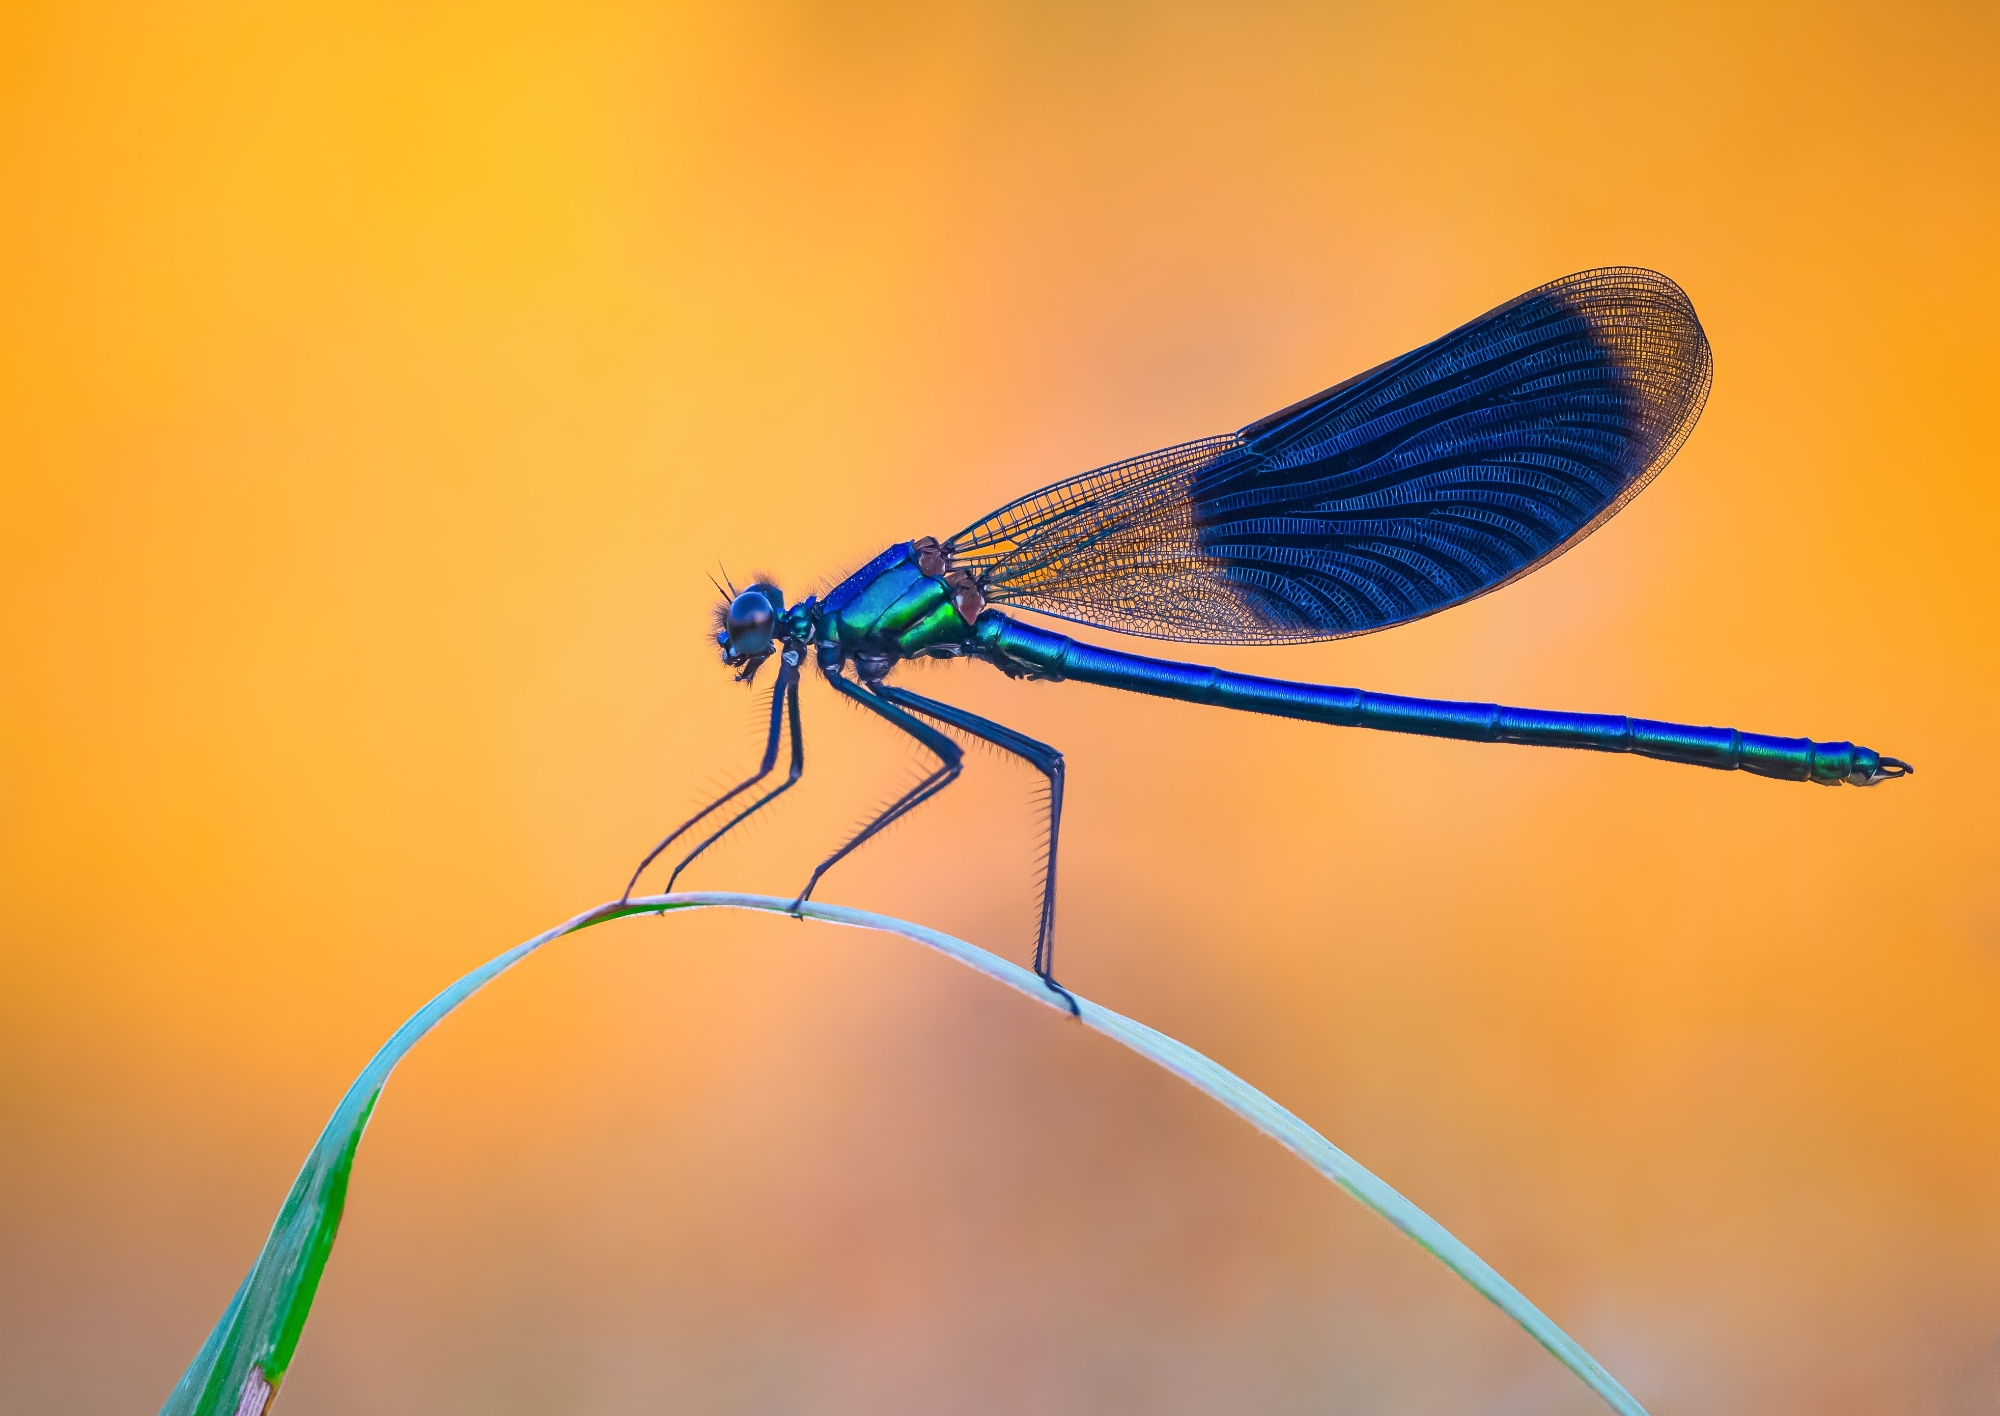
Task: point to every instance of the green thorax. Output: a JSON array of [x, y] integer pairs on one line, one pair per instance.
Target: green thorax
[[901, 604]]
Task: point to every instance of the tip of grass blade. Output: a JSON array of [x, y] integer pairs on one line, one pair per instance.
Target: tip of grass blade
[[240, 1367]]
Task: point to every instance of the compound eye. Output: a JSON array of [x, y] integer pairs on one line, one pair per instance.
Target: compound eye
[[749, 622]]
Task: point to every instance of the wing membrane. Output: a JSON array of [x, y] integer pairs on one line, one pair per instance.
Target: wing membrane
[[1422, 483]]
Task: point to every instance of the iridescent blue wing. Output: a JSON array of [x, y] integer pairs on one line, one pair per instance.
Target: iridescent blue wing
[[1424, 482]]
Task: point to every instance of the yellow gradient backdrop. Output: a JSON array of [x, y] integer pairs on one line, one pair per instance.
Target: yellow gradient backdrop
[[380, 384]]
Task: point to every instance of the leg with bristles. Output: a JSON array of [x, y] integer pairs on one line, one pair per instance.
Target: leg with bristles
[[791, 780], [950, 761], [788, 674], [1045, 759]]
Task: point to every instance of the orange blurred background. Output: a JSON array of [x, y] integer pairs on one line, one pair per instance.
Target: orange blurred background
[[379, 385]]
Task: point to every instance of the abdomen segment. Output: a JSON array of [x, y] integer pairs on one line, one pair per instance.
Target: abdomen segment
[[1024, 649]]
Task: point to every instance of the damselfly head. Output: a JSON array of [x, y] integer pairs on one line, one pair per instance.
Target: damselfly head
[[746, 628]]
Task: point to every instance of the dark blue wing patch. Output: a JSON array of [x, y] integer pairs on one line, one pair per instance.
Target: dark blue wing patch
[[1419, 484]]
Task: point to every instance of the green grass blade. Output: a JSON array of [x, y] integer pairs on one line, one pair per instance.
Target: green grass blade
[[240, 1366]]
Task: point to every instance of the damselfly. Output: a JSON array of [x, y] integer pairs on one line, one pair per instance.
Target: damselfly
[[1415, 486]]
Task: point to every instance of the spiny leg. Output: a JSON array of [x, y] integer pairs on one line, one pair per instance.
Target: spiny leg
[[788, 674], [791, 780], [950, 762], [1044, 758]]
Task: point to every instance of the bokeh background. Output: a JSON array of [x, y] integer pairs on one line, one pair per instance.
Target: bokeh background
[[381, 383]]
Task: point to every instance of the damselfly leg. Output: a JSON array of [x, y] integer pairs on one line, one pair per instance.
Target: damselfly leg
[[1045, 759], [788, 676], [950, 762], [791, 780]]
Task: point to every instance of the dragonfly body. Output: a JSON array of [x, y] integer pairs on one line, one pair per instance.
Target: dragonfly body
[[1434, 478]]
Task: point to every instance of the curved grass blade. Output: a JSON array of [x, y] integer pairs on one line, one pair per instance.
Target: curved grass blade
[[239, 1368]]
